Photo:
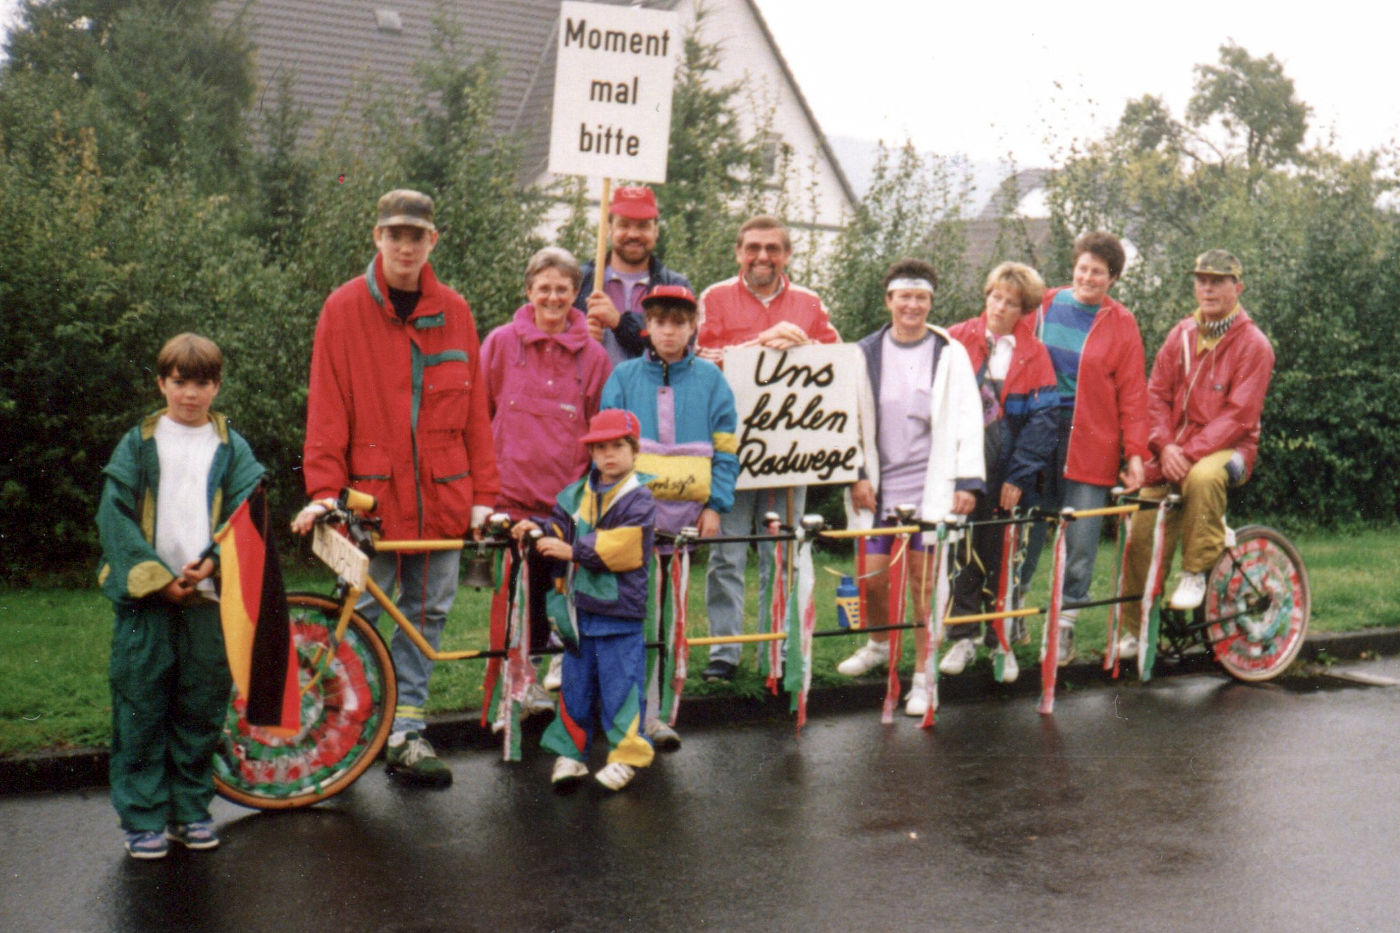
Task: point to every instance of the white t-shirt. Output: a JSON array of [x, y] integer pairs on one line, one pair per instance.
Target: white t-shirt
[[182, 499], [906, 384]]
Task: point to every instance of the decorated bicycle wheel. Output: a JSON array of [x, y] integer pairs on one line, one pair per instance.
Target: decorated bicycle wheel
[[1257, 605], [348, 691]]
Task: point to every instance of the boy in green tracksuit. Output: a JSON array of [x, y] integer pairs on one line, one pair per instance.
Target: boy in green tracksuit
[[172, 481]]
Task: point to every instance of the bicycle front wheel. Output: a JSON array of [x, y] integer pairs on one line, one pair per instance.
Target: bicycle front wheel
[[1257, 605], [348, 693]]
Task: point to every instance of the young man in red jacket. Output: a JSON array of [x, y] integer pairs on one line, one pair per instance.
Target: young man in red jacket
[[1203, 404], [397, 408]]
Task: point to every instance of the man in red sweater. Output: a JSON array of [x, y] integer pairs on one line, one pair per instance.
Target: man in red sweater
[[758, 307], [1203, 404]]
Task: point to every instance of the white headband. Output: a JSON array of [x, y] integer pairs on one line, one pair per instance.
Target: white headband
[[924, 284]]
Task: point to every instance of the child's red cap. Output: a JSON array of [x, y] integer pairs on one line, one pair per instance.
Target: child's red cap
[[671, 292], [612, 424]]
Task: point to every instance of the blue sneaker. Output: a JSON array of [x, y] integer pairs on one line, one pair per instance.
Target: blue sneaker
[[146, 845], [197, 835]]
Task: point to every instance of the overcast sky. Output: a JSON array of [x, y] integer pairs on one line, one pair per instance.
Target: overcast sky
[[1013, 77], [985, 79]]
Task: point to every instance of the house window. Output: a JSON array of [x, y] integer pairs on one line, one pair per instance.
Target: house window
[[388, 20]]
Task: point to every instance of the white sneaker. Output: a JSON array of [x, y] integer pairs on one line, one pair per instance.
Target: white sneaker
[[1190, 591], [616, 775], [1127, 647], [567, 771], [1066, 642], [1010, 670], [957, 658], [868, 656], [917, 701], [537, 701], [662, 736], [554, 677]]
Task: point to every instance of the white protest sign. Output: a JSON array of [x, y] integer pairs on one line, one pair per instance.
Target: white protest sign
[[612, 91], [798, 421]]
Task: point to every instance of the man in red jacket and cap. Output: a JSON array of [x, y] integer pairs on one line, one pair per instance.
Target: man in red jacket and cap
[[397, 408], [1204, 401]]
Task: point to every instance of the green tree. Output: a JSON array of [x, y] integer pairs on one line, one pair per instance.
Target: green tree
[[913, 207], [1318, 247], [715, 170]]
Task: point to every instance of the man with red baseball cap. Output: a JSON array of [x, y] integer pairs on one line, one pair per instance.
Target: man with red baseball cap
[[614, 309]]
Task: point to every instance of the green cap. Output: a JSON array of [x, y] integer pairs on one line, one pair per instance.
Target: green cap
[[1218, 262], [404, 208]]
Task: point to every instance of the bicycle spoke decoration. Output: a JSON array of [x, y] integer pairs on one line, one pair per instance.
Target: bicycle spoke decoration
[[1120, 576], [801, 623], [518, 673], [1005, 598], [500, 620], [1050, 635], [677, 647], [1151, 605], [938, 612], [898, 583]]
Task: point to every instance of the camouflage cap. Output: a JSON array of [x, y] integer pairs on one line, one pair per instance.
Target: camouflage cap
[[405, 208], [1218, 262]]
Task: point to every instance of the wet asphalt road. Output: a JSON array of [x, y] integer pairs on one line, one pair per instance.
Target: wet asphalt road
[[1192, 804]]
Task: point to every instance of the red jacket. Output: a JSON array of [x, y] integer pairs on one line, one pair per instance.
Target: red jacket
[[1110, 399], [1209, 401], [398, 410], [730, 314]]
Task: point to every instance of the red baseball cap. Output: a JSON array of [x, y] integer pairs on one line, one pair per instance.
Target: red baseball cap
[[671, 293], [612, 424], [636, 203]]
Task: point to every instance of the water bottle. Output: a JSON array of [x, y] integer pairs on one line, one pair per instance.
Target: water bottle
[[848, 603]]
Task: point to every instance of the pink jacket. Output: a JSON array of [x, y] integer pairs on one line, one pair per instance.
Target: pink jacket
[[543, 389], [1209, 401], [730, 314], [398, 409], [1110, 407]]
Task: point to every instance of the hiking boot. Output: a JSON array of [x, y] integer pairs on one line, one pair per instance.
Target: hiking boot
[[146, 845], [616, 775], [414, 760], [662, 736], [1190, 591], [197, 835], [957, 658], [868, 656]]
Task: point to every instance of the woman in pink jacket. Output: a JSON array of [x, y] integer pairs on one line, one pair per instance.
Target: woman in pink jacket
[[544, 378], [1101, 378]]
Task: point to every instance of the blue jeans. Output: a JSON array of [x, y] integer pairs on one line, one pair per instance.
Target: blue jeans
[[1081, 537], [427, 584], [724, 576]]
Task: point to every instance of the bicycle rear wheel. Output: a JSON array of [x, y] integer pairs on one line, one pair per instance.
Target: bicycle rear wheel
[[1257, 605], [348, 694]]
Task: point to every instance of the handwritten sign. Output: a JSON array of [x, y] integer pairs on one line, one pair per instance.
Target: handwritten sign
[[798, 424], [612, 91]]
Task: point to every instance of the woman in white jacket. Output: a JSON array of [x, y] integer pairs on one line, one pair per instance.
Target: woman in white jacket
[[921, 426]]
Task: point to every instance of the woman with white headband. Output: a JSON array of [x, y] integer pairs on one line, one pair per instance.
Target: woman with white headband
[[921, 426]]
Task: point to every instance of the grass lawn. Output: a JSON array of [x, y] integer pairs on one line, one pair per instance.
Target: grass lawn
[[53, 666]]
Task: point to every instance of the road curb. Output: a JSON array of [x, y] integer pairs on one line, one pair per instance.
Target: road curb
[[73, 769]]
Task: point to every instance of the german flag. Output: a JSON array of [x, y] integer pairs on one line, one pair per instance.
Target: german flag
[[257, 626]]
